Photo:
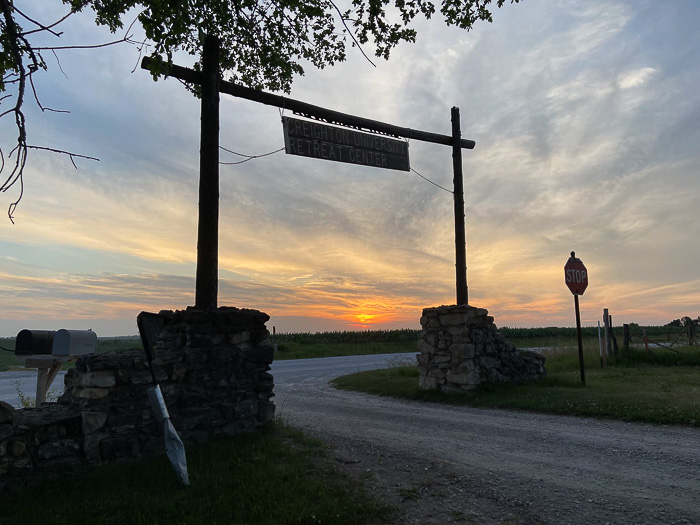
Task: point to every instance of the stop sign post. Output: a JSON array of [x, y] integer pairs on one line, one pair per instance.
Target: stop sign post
[[576, 278]]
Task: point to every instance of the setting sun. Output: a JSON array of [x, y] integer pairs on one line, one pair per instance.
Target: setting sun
[[365, 318]]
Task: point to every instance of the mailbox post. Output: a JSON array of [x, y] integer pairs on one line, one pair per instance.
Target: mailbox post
[[576, 276], [47, 350]]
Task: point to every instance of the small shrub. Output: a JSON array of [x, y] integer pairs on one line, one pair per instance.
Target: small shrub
[[26, 401]]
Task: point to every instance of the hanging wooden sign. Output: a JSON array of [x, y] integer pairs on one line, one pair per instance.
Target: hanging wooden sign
[[308, 138]]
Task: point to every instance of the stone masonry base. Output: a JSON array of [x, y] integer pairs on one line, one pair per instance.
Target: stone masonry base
[[460, 349]]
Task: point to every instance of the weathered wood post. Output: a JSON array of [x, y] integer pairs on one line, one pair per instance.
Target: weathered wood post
[[612, 336], [207, 283], [646, 340], [626, 338], [460, 234], [600, 348], [606, 324], [691, 334]]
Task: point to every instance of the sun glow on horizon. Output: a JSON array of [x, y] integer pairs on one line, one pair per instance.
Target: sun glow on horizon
[[597, 156], [366, 318]]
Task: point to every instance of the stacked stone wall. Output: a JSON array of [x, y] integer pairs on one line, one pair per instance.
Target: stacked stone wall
[[461, 348], [212, 367]]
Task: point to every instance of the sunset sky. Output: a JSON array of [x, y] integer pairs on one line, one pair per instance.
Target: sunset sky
[[586, 116]]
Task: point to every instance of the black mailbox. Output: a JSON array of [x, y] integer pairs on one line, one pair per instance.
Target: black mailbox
[[34, 342], [47, 350]]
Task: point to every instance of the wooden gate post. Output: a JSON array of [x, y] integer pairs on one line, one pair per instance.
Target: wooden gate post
[[460, 234], [207, 282], [606, 324], [691, 334]]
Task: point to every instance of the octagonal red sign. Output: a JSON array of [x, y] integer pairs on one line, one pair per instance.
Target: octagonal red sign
[[576, 275]]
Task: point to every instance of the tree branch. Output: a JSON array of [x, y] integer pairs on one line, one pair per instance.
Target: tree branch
[[352, 35], [39, 25], [38, 102], [63, 152], [125, 38], [48, 27], [20, 52]]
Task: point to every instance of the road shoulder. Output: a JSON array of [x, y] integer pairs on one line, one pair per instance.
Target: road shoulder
[[422, 491]]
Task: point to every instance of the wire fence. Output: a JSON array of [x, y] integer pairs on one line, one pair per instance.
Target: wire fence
[[673, 336]]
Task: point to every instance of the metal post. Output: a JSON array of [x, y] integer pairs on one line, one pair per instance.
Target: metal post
[[460, 234], [580, 342], [208, 229]]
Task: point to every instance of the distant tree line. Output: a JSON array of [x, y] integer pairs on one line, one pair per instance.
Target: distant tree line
[[685, 321]]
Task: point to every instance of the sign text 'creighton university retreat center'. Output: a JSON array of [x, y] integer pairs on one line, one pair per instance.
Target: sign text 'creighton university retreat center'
[[322, 141]]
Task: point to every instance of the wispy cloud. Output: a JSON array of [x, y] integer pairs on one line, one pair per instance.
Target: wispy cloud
[[638, 77], [586, 121]]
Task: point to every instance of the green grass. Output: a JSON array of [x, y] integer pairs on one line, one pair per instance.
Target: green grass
[[274, 477], [660, 387]]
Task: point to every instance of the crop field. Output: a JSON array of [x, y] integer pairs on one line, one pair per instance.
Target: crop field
[[304, 345]]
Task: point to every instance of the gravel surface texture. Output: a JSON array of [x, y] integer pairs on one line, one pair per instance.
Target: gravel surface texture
[[442, 464]]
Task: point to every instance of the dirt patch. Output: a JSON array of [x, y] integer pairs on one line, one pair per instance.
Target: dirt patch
[[426, 492]]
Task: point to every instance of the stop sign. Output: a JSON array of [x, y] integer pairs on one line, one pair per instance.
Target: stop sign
[[576, 275]]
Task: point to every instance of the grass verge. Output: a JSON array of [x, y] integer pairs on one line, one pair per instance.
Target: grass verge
[[659, 387], [276, 476]]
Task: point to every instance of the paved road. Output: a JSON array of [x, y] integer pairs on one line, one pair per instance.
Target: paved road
[[292, 373], [10, 382]]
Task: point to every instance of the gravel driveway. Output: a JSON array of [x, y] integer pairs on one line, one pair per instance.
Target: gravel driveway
[[443, 464]]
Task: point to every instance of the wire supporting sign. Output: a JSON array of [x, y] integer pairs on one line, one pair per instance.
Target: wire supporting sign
[[307, 138]]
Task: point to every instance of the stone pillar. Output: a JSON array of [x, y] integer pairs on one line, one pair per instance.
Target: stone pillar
[[460, 349], [212, 366]]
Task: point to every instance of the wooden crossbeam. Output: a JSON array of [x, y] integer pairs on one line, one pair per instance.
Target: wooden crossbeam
[[303, 108]]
